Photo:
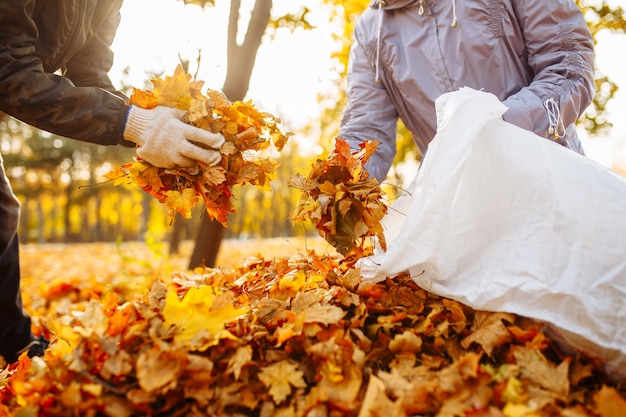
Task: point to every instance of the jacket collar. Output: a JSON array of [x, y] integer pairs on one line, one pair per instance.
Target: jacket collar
[[391, 4]]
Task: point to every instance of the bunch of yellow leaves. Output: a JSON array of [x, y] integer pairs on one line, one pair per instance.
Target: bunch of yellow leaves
[[341, 199], [245, 129]]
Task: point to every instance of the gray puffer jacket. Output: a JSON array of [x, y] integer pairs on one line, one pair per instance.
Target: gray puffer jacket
[[536, 56]]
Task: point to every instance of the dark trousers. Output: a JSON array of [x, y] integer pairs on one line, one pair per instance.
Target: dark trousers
[[14, 322]]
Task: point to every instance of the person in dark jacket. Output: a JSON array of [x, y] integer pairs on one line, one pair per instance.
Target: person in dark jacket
[[54, 63]]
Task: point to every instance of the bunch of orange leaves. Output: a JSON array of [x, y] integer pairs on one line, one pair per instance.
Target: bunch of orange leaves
[[246, 130], [343, 202]]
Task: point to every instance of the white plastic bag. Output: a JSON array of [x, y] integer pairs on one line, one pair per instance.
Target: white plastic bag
[[503, 220]]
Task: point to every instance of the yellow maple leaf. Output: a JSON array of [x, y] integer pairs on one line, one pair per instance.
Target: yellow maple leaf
[[228, 148], [182, 202], [136, 172], [116, 175], [198, 325], [280, 377], [175, 90], [514, 391], [200, 113]]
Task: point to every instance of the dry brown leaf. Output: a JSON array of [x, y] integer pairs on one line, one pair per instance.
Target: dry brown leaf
[[489, 331], [534, 366], [280, 377]]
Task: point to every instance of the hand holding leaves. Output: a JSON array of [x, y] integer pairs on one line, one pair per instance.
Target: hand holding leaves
[[245, 129]]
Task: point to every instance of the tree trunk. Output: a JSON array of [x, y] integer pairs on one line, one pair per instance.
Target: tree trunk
[[240, 64], [179, 224], [208, 242]]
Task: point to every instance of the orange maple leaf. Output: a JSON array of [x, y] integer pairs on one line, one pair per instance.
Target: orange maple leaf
[[117, 175]]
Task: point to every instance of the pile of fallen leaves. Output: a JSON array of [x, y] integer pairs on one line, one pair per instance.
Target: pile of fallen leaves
[[245, 129], [342, 201], [299, 337]]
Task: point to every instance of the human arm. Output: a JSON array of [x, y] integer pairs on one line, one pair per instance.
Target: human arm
[[90, 65], [561, 57], [47, 100], [370, 113]]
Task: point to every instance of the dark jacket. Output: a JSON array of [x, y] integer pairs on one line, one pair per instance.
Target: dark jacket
[[54, 60]]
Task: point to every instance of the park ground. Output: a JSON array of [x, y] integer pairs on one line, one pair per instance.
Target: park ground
[[43, 264]]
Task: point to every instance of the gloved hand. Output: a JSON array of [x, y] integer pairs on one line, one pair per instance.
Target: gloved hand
[[165, 141]]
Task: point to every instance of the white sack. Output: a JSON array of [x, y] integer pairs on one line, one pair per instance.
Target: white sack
[[503, 220]]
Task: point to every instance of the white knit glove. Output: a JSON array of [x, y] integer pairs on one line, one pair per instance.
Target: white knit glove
[[165, 141]]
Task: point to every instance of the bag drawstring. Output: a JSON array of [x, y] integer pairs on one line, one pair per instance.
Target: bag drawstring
[[555, 123], [454, 20], [381, 3]]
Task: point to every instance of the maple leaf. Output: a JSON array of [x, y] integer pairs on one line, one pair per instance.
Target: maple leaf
[[159, 367], [182, 201], [175, 90], [609, 403], [280, 377], [117, 175], [376, 401], [406, 342], [198, 325], [490, 331], [242, 357], [143, 99], [341, 383], [214, 175], [541, 372]]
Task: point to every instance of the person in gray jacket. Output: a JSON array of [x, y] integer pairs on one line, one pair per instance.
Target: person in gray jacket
[[536, 56]]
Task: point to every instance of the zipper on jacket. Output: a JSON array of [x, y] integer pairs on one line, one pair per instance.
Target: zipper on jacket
[[75, 31]]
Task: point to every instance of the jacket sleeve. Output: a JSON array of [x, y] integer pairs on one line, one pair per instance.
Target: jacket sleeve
[[561, 57], [90, 65], [85, 107], [370, 113]]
